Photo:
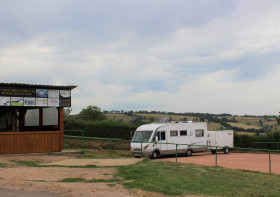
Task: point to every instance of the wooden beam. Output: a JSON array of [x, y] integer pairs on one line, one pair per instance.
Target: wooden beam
[[61, 127]]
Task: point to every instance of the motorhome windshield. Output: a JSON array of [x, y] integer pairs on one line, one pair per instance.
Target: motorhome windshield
[[143, 136]]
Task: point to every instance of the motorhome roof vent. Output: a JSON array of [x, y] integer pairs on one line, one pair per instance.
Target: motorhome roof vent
[[187, 121]]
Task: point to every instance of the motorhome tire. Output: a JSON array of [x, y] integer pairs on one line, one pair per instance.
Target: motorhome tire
[[213, 151], [189, 153], [226, 150], [155, 155]]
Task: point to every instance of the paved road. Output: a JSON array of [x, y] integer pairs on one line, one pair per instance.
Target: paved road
[[9, 193]]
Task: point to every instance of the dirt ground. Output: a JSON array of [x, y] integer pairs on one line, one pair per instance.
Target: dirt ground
[[245, 161], [18, 180]]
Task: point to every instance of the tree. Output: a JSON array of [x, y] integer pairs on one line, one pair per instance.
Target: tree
[[151, 119], [261, 123], [92, 113], [67, 112]]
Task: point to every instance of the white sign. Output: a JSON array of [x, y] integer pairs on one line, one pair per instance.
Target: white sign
[[53, 102], [53, 94], [5, 101], [65, 93], [28, 101], [41, 102]]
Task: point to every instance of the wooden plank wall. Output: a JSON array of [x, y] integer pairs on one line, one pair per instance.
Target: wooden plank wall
[[29, 142]]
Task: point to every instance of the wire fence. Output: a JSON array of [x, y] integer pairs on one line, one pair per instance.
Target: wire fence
[[114, 147]]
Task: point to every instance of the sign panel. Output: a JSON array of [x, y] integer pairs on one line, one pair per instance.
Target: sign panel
[[30, 97], [41, 93], [5, 101], [53, 94], [29, 101], [65, 94], [16, 101], [17, 92], [53, 102], [65, 102], [41, 102]]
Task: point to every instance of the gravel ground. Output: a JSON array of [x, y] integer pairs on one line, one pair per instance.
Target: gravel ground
[[17, 180]]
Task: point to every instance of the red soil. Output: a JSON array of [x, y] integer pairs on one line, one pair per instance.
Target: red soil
[[245, 161]]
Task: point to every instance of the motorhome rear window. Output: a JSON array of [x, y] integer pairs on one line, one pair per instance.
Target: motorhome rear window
[[199, 133], [183, 132], [173, 133]]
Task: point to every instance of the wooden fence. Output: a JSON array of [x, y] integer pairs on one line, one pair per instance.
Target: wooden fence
[[30, 142]]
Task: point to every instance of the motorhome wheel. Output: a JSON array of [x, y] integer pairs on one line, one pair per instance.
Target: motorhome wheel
[[213, 151], [189, 153], [226, 150], [155, 155]]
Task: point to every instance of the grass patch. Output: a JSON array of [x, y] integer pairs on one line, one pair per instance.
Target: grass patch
[[35, 163], [78, 180], [189, 179], [3, 165], [103, 181], [41, 181], [99, 148], [72, 180]]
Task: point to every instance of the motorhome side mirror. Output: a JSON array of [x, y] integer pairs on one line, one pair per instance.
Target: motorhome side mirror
[[156, 139]]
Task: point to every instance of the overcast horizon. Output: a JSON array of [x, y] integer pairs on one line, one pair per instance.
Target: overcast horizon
[[175, 56]]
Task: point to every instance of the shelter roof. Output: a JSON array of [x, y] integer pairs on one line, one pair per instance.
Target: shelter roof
[[23, 85]]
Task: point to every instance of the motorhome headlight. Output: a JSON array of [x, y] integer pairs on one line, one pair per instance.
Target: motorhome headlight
[[145, 147]]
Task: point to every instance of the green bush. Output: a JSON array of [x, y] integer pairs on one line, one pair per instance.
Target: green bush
[[103, 129], [246, 141]]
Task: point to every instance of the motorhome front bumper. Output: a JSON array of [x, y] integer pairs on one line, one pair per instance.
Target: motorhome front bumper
[[138, 153]]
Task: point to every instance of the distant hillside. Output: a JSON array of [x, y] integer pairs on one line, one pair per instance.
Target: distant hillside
[[253, 124]]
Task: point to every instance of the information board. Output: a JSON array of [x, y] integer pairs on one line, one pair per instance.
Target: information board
[[31, 97]]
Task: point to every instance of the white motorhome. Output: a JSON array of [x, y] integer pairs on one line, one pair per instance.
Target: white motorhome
[[153, 140]]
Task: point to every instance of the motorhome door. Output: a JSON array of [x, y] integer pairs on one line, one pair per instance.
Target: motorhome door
[[163, 142]]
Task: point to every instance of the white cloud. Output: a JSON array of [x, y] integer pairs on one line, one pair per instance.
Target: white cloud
[[218, 61]]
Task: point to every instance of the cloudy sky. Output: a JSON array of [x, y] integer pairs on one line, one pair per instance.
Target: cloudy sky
[[218, 56]]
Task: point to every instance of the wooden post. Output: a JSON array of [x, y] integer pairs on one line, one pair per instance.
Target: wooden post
[[61, 126], [21, 118]]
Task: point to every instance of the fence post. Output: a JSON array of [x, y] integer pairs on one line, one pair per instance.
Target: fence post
[[141, 149], [176, 152], [111, 148], [216, 156], [269, 163], [83, 141]]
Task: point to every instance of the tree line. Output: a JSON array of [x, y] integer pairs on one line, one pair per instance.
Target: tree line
[[95, 124]]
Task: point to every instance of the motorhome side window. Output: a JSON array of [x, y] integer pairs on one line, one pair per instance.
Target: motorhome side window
[[183, 132], [162, 135], [199, 133], [173, 133]]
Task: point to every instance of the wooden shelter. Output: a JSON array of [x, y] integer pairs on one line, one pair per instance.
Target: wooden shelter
[[31, 117]]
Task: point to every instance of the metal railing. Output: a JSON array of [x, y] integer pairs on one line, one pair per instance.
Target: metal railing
[[216, 148]]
